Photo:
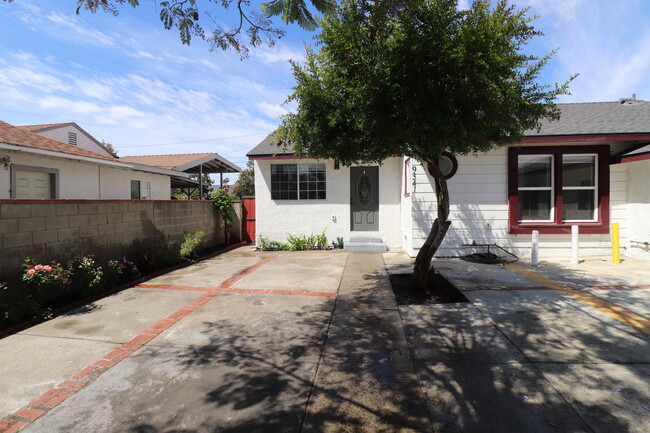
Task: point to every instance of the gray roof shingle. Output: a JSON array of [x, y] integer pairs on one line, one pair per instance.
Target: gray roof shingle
[[598, 118], [267, 148], [584, 118]]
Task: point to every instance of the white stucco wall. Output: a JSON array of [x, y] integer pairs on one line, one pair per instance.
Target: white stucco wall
[[83, 141], [479, 211], [638, 210], [276, 218], [116, 184], [80, 180]]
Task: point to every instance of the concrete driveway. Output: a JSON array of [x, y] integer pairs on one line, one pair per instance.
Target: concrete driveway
[[314, 342]]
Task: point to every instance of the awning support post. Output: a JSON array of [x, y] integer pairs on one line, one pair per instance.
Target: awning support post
[[201, 182]]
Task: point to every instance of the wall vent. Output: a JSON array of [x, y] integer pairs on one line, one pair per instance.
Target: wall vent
[[72, 138]]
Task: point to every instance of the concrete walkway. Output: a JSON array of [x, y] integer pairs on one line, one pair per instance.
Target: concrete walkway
[[525, 357], [314, 342]]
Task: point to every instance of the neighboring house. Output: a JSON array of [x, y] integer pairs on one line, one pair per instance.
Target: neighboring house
[[36, 167], [70, 133], [199, 164], [591, 169]]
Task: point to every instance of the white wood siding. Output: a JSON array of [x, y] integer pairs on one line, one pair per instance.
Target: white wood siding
[[638, 210], [479, 210]]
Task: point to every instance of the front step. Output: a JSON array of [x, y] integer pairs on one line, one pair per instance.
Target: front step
[[365, 244]]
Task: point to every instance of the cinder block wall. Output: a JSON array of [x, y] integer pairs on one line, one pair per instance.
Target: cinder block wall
[[48, 230]]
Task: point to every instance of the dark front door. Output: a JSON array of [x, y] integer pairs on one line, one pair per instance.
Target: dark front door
[[364, 198]]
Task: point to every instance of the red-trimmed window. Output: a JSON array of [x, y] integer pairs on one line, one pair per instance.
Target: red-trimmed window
[[551, 188]]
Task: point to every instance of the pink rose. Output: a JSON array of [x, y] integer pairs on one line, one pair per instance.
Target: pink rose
[[58, 264], [38, 267], [56, 277], [47, 268], [31, 272]]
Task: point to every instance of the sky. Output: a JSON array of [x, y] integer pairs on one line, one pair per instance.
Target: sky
[[130, 82]]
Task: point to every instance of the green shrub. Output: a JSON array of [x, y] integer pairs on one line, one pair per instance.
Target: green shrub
[[321, 242], [167, 254], [12, 312], [302, 242], [223, 201], [112, 274], [46, 282], [264, 244], [190, 243], [87, 278]]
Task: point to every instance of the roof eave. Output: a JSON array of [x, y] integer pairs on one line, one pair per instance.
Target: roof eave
[[578, 138], [156, 170], [223, 164], [62, 155]]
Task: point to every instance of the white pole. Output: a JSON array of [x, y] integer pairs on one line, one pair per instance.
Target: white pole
[[574, 245], [534, 254]]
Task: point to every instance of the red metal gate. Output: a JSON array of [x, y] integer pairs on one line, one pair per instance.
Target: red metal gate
[[249, 219]]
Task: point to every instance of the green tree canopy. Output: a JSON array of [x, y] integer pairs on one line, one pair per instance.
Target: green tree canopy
[[251, 25], [245, 184], [418, 78]]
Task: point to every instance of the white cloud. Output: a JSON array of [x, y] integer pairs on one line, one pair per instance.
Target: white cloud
[[94, 89], [23, 76], [279, 54], [564, 10], [144, 55], [85, 35], [271, 110]]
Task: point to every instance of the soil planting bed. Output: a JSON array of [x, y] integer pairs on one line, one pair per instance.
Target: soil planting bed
[[440, 292]]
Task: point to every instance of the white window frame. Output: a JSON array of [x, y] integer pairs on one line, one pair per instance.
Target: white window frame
[[298, 165], [584, 188], [550, 188], [147, 187]]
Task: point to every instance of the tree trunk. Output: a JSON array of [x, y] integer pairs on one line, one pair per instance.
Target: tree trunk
[[423, 272]]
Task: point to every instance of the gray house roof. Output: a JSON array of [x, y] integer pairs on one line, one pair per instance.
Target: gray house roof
[[624, 117], [627, 116], [267, 148]]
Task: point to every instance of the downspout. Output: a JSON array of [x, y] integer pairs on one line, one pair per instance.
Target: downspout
[[99, 180]]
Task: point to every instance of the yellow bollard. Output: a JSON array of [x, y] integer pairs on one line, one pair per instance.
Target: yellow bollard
[[616, 254]]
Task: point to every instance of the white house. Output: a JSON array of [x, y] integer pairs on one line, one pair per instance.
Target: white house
[[70, 133], [33, 166], [591, 169]]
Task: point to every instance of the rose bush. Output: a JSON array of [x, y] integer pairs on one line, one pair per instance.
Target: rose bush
[[47, 281]]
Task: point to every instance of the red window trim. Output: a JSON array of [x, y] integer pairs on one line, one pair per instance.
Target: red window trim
[[601, 226]]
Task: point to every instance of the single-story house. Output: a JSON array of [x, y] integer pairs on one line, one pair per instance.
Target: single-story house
[[591, 169], [33, 166]]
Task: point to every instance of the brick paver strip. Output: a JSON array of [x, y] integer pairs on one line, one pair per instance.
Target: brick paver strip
[[12, 426], [50, 399], [29, 413], [68, 384], [167, 287], [61, 392]]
